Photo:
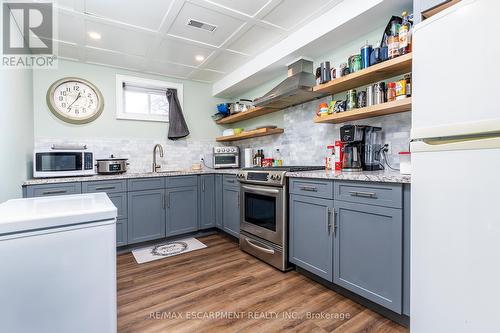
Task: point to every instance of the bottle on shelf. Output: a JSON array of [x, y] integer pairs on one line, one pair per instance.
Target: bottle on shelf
[[393, 40], [404, 34]]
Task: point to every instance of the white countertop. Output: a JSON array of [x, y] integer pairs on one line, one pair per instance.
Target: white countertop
[[21, 215]]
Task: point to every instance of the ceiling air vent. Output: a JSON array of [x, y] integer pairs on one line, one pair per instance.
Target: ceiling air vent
[[201, 25]]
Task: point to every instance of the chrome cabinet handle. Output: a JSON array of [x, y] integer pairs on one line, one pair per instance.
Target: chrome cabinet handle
[[363, 194], [335, 223], [263, 249], [329, 219], [230, 180], [104, 188], [163, 200], [309, 188], [168, 200], [54, 192], [203, 185]]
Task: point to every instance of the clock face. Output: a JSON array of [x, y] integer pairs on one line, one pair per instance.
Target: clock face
[[75, 100]]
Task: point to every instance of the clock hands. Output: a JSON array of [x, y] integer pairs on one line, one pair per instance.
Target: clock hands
[[77, 97]]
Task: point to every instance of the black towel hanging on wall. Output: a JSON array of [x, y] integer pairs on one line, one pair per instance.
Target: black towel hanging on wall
[[177, 127]]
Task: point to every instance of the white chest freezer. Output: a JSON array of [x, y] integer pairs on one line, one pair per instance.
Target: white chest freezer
[[58, 264]]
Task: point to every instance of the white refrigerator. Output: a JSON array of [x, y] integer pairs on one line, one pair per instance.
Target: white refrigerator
[[455, 218], [58, 264]]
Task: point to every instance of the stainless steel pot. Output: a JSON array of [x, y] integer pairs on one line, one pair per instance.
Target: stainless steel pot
[[112, 165]]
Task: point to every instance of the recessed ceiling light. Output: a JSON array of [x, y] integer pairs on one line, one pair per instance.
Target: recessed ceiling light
[[94, 35], [199, 58]]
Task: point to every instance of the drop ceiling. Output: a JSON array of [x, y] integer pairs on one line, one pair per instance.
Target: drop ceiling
[[153, 36]]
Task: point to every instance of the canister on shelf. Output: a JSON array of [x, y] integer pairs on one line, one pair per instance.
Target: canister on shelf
[[352, 100], [361, 99], [355, 63], [401, 89], [379, 90], [408, 85], [391, 91], [370, 96], [365, 55]]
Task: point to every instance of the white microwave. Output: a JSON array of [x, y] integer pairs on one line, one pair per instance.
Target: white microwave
[[63, 163]]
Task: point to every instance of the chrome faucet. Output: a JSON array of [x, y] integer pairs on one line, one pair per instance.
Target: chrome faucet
[[155, 165]]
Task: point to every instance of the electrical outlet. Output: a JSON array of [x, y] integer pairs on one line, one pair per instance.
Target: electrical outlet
[[388, 148]]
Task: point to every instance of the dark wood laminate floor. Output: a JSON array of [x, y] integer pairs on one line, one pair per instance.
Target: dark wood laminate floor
[[176, 294]]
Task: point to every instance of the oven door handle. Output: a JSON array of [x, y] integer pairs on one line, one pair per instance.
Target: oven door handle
[[263, 249], [260, 189]]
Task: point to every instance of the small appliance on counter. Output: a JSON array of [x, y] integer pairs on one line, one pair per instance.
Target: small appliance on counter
[[111, 165], [226, 157], [362, 147], [248, 157], [63, 161]]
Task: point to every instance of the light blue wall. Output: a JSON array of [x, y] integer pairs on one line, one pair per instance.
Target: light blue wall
[[198, 106], [16, 130]]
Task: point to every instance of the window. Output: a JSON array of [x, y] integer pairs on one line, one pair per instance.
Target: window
[[143, 99]]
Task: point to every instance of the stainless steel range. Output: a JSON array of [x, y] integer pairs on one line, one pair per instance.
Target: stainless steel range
[[264, 212]]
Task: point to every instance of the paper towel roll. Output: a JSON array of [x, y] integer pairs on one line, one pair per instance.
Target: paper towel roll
[[248, 157]]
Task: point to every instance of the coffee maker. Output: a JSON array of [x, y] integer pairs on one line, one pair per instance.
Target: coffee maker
[[362, 147]]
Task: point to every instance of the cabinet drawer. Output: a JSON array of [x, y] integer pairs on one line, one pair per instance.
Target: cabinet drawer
[[120, 201], [140, 184], [230, 180], [182, 181], [386, 195], [108, 186], [312, 188], [121, 232], [53, 189]]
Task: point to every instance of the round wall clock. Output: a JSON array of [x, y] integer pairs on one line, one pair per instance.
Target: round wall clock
[[74, 100]]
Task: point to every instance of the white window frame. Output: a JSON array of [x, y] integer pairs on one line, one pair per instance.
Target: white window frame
[[120, 112]]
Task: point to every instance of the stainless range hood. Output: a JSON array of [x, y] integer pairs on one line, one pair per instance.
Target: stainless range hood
[[295, 89]]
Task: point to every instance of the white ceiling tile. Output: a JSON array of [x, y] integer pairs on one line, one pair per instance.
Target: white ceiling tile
[[226, 25], [181, 52], [226, 61], [128, 41], [67, 50], [249, 7], [143, 13], [206, 75], [65, 3], [69, 28], [255, 39], [107, 57], [291, 12], [169, 69]]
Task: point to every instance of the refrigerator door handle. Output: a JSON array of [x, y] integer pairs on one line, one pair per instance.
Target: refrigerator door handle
[[469, 142]]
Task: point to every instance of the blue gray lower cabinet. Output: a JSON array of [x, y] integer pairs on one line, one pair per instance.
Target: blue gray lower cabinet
[[218, 201], [146, 215], [46, 190], [182, 212], [368, 252], [207, 201], [121, 232], [406, 248], [231, 210], [311, 234]]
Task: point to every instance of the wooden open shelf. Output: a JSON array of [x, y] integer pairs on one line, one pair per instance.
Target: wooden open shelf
[[375, 73], [372, 74], [249, 114], [251, 134], [367, 112]]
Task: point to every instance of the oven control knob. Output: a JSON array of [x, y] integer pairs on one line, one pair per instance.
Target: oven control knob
[[273, 177], [278, 177]]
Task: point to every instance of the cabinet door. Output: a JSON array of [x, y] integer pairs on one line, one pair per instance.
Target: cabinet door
[[218, 201], [121, 232], [311, 235], [182, 210], [207, 201], [231, 210], [146, 215], [368, 252]]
